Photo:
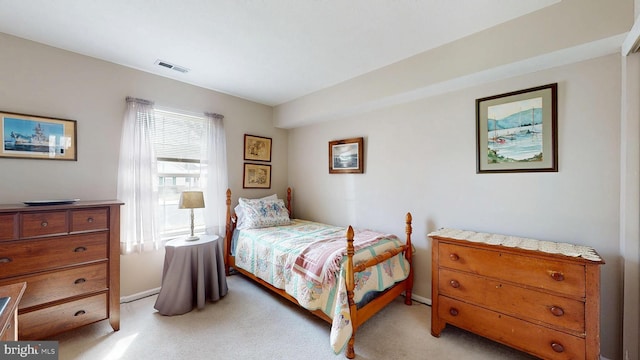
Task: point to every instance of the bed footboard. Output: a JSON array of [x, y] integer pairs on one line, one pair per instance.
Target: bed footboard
[[359, 316]]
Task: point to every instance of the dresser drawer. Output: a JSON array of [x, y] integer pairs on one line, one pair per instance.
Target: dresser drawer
[[8, 226], [515, 300], [559, 276], [89, 220], [536, 339], [29, 256], [43, 223], [52, 286], [40, 324]]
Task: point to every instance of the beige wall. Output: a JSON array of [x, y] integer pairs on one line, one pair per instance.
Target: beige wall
[[630, 205], [420, 157], [41, 80]]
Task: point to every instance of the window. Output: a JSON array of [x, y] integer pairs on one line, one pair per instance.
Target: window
[[178, 140], [162, 153]]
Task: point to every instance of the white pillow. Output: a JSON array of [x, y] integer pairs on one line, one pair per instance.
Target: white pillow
[[238, 208], [259, 213]]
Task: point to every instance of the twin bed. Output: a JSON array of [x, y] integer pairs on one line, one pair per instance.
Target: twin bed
[[344, 276]]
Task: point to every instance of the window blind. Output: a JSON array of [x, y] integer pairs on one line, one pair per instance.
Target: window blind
[[177, 136]]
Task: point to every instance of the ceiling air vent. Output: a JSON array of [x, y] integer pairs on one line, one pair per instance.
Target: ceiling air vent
[[172, 66]]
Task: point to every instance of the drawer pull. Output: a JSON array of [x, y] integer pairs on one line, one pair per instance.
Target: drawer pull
[[80, 281], [454, 284], [557, 347], [5, 260], [453, 312], [556, 310], [82, 312], [90, 220], [80, 249], [454, 257], [557, 276], [44, 224]]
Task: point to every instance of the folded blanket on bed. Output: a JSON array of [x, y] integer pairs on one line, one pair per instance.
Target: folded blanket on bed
[[320, 260]]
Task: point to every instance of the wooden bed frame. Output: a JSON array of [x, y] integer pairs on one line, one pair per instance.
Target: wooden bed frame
[[358, 316]]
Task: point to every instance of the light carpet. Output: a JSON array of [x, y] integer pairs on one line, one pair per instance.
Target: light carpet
[[252, 323]]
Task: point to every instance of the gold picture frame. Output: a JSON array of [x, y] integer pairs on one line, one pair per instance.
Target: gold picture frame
[[256, 176], [37, 137], [346, 156], [257, 148]]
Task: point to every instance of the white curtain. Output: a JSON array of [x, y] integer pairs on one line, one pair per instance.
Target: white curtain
[[137, 186], [214, 175]]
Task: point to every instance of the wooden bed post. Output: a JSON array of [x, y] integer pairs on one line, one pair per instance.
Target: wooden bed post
[[227, 236], [408, 254], [350, 284]]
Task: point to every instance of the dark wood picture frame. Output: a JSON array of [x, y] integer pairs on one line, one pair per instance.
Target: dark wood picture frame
[[518, 131], [346, 156], [38, 137], [257, 148], [256, 176]]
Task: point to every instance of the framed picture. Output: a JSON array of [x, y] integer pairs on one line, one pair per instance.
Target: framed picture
[[257, 176], [257, 148], [517, 131], [346, 156], [37, 137]]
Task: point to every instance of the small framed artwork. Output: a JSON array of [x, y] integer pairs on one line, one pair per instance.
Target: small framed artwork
[[37, 137], [257, 148], [517, 131], [256, 176], [346, 156]]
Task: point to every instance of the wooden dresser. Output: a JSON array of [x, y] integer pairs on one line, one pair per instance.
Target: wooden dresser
[[536, 296], [9, 316], [69, 257]]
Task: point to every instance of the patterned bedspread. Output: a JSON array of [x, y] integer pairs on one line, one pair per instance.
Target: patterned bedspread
[[270, 254]]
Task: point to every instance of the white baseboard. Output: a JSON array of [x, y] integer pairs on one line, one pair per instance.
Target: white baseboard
[[140, 295], [421, 299]]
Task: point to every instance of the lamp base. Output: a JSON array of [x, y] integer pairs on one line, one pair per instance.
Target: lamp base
[[192, 238]]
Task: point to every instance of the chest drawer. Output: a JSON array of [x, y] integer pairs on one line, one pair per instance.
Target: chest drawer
[[541, 341], [40, 324], [89, 220], [8, 226], [497, 295], [52, 286], [562, 277], [44, 223], [29, 256]]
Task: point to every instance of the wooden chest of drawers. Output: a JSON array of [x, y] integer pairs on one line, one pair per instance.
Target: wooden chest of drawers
[[69, 257], [534, 299]]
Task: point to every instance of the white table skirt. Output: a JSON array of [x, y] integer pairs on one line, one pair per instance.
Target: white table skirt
[[193, 273]]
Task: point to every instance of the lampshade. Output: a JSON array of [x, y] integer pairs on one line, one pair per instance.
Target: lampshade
[[191, 200]]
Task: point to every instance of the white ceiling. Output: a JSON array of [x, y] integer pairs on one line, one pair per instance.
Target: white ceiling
[[268, 51]]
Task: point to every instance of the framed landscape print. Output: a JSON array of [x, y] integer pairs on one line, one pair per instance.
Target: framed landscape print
[[256, 176], [37, 137], [346, 156], [257, 148], [517, 131]]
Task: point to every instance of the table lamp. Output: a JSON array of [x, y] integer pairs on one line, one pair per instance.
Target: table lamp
[[191, 200]]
